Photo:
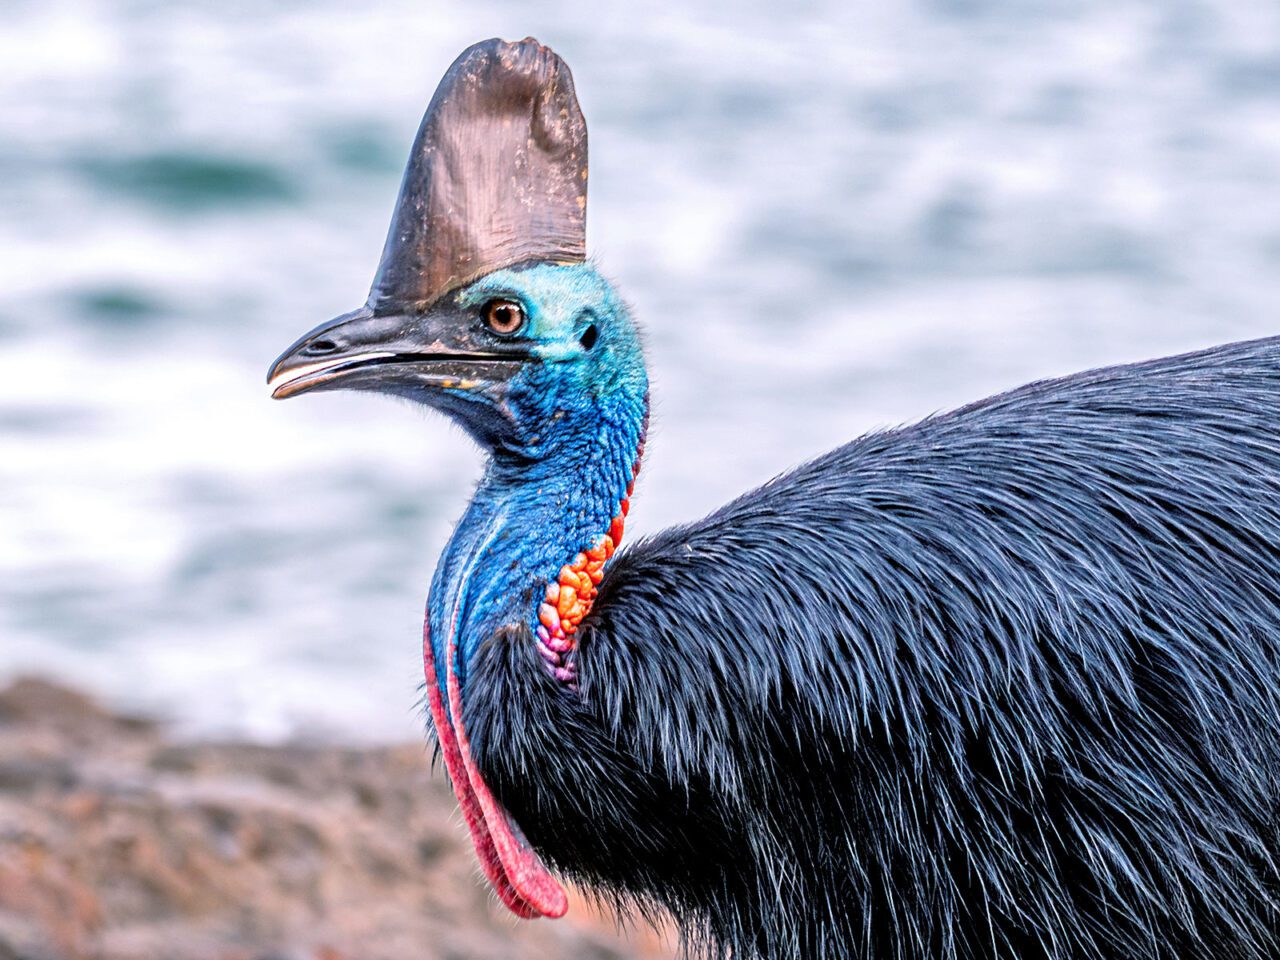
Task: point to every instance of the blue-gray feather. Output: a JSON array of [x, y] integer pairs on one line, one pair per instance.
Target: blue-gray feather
[[1005, 682]]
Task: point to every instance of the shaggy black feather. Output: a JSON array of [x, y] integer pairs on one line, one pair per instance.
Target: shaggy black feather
[[1002, 683]]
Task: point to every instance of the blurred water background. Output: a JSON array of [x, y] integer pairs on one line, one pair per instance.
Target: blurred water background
[[830, 216]]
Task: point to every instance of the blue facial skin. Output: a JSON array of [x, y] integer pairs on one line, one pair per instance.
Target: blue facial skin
[[562, 439]]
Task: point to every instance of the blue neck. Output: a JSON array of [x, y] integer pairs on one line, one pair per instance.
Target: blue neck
[[528, 518]]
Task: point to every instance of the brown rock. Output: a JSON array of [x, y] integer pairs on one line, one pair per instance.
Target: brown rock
[[118, 843]]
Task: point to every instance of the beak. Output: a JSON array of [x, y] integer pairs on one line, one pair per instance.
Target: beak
[[393, 354]]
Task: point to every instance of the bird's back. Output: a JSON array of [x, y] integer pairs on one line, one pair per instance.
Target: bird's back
[[1000, 683]]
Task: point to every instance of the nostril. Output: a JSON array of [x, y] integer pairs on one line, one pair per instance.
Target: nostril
[[318, 348]]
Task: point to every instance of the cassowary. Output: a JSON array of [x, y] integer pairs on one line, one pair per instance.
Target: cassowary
[[1002, 683]]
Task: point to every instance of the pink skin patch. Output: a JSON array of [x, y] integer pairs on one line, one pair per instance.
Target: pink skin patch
[[515, 872]]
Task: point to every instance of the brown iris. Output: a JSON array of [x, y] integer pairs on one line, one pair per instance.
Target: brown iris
[[503, 317]]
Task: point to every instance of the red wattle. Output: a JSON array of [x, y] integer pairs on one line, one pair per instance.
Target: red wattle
[[515, 872]]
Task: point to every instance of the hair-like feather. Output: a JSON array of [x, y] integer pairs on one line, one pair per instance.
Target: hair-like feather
[[1000, 683]]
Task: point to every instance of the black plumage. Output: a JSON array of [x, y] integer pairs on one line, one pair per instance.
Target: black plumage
[[1002, 683]]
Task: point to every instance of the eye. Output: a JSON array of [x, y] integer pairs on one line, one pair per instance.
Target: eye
[[503, 317]]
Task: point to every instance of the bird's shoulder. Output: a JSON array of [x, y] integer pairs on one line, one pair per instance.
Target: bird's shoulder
[[1004, 515], [1034, 442]]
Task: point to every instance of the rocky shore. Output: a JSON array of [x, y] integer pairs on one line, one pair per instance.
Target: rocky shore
[[120, 842]]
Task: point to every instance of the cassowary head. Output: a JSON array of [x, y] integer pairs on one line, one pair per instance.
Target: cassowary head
[[483, 305]]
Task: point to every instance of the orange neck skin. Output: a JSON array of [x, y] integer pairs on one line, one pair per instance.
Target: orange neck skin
[[569, 598]]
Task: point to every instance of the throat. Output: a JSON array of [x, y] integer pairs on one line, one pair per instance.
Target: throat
[[533, 548]]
